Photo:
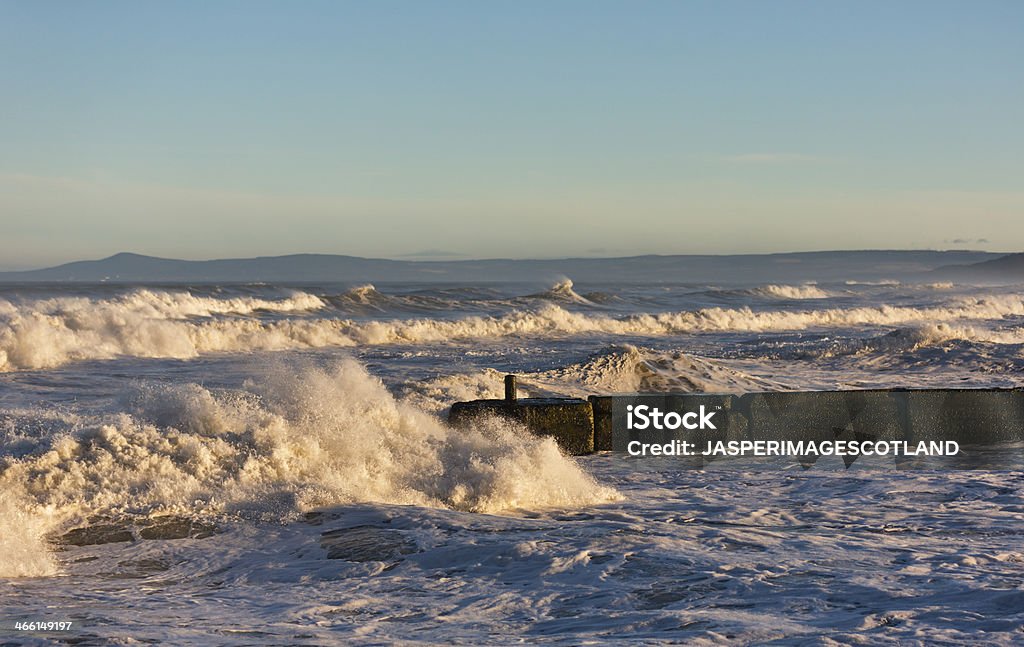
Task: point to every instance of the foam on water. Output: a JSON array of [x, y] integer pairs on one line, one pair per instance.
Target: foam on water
[[49, 333], [926, 336], [616, 369], [395, 549], [806, 291], [42, 333], [628, 369], [363, 298], [23, 526], [157, 304], [563, 292], [300, 439]]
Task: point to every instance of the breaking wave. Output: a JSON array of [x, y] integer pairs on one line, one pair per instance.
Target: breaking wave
[[157, 304], [887, 282], [808, 291], [561, 292], [23, 548], [912, 339], [300, 439], [628, 369], [617, 369], [147, 324], [773, 291], [366, 299], [365, 295]]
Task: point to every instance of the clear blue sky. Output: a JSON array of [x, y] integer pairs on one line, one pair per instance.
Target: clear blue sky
[[523, 129]]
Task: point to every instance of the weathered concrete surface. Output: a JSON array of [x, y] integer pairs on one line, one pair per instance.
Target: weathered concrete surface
[[968, 416], [569, 421], [729, 418], [602, 406]]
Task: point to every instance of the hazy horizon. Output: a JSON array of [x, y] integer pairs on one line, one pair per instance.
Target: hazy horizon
[[437, 257], [399, 130]]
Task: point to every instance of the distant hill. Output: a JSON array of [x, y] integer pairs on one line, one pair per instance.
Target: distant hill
[[1004, 268], [321, 268]]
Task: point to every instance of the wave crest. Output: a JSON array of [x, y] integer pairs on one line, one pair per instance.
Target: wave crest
[[101, 330], [807, 291], [617, 369], [300, 439], [563, 292]]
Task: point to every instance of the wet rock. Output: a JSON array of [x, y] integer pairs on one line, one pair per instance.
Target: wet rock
[[171, 527], [110, 531], [602, 405], [102, 533]]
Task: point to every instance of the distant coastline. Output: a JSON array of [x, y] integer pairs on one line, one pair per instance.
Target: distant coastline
[[863, 265]]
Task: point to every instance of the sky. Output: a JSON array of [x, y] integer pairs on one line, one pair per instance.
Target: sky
[[527, 129]]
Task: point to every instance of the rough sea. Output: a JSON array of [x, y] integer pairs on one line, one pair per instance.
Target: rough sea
[[269, 464]]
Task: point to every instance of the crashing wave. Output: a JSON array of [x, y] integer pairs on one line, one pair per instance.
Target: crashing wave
[[301, 439], [617, 369], [35, 337], [807, 291], [562, 292]]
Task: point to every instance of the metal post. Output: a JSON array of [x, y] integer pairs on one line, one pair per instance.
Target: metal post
[[510, 388]]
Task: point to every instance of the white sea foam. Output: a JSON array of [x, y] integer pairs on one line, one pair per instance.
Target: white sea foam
[[806, 291], [144, 323], [363, 298], [628, 369], [679, 558], [23, 548], [159, 304], [933, 334], [618, 369], [563, 292], [884, 282], [917, 338], [45, 337], [297, 440], [364, 293]]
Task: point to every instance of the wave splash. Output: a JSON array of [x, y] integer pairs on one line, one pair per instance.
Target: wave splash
[[149, 324], [616, 369], [562, 292], [23, 548], [300, 439], [143, 323], [925, 337]]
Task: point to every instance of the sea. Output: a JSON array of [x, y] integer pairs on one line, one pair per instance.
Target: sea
[[268, 464]]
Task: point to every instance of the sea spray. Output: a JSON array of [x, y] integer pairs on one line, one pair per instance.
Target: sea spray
[[23, 526], [615, 369], [300, 438], [149, 324], [562, 291]]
